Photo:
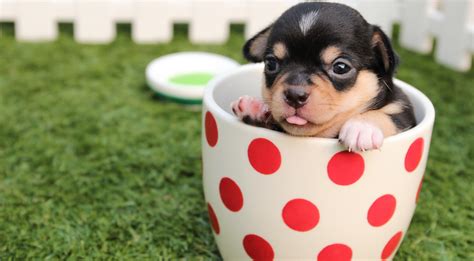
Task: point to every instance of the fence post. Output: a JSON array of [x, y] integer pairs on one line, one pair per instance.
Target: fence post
[[93, 21], [415, 25], [452, 35], [209, 21], [382, 13], [8, 10], [147, 26], [36, 21], [471, 42]]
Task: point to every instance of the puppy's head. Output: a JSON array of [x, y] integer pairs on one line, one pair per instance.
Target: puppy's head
[[323, 62]]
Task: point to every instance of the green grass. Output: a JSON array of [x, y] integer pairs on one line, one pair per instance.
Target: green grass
[[93, 165]]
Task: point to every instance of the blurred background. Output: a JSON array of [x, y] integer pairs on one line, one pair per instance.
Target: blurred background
[[93, 164]]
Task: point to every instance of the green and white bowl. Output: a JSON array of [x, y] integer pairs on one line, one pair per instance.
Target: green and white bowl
[[183, 76]]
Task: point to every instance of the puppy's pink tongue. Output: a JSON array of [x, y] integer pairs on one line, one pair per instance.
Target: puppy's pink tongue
[[296, 120]]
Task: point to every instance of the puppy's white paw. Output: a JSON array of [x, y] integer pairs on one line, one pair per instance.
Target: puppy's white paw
[[249, 109], [361, 135]]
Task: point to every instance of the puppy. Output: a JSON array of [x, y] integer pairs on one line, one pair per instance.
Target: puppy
[[328, 73]]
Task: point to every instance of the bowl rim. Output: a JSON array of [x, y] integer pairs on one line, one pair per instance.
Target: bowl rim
[[180, 91], [209, 102]]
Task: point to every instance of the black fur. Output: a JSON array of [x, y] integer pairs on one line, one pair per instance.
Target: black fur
[[364, 46], [268, 123], [337, 25]]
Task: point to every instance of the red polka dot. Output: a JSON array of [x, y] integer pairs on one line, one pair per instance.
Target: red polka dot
[[258, 248], [419, 190], [231, 195], [300, 215], [335, 252], [414, 153], [381, 210], [391, 245], [211, 129], [213, 218], [264, 156], [345, 168]]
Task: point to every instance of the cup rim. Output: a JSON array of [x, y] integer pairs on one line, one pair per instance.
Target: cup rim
[[221, 114]]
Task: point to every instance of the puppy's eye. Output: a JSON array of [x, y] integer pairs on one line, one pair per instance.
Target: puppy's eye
[[271, 65], [340, 67]]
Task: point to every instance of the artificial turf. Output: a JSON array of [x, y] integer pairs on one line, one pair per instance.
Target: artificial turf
[[93, 165]]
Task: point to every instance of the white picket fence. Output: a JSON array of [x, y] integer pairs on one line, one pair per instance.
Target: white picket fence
[[451, 22]]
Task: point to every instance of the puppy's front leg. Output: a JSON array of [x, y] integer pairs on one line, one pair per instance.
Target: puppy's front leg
[[252, 111], [367, 131]]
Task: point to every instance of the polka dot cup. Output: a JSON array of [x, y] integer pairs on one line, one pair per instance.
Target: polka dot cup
[[273, 196]]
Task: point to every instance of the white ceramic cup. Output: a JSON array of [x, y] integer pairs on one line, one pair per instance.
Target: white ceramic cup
[[274, 196]]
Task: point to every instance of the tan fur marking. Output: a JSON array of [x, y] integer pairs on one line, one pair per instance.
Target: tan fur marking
[[266, 94], [393, 108], [381, 120], [329, 54], [376, 39], [377, 42], [280, 51], [258, 46], [351, 101], [327, 109]]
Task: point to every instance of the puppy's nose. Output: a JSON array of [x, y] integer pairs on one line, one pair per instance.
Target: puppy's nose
[[296, 97]]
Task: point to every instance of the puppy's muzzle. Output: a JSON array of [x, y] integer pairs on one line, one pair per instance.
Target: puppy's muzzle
[[296, 91], [296, 96]]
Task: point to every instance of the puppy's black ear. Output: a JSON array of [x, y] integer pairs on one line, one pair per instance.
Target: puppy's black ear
[[385, 55], [254, 49]]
